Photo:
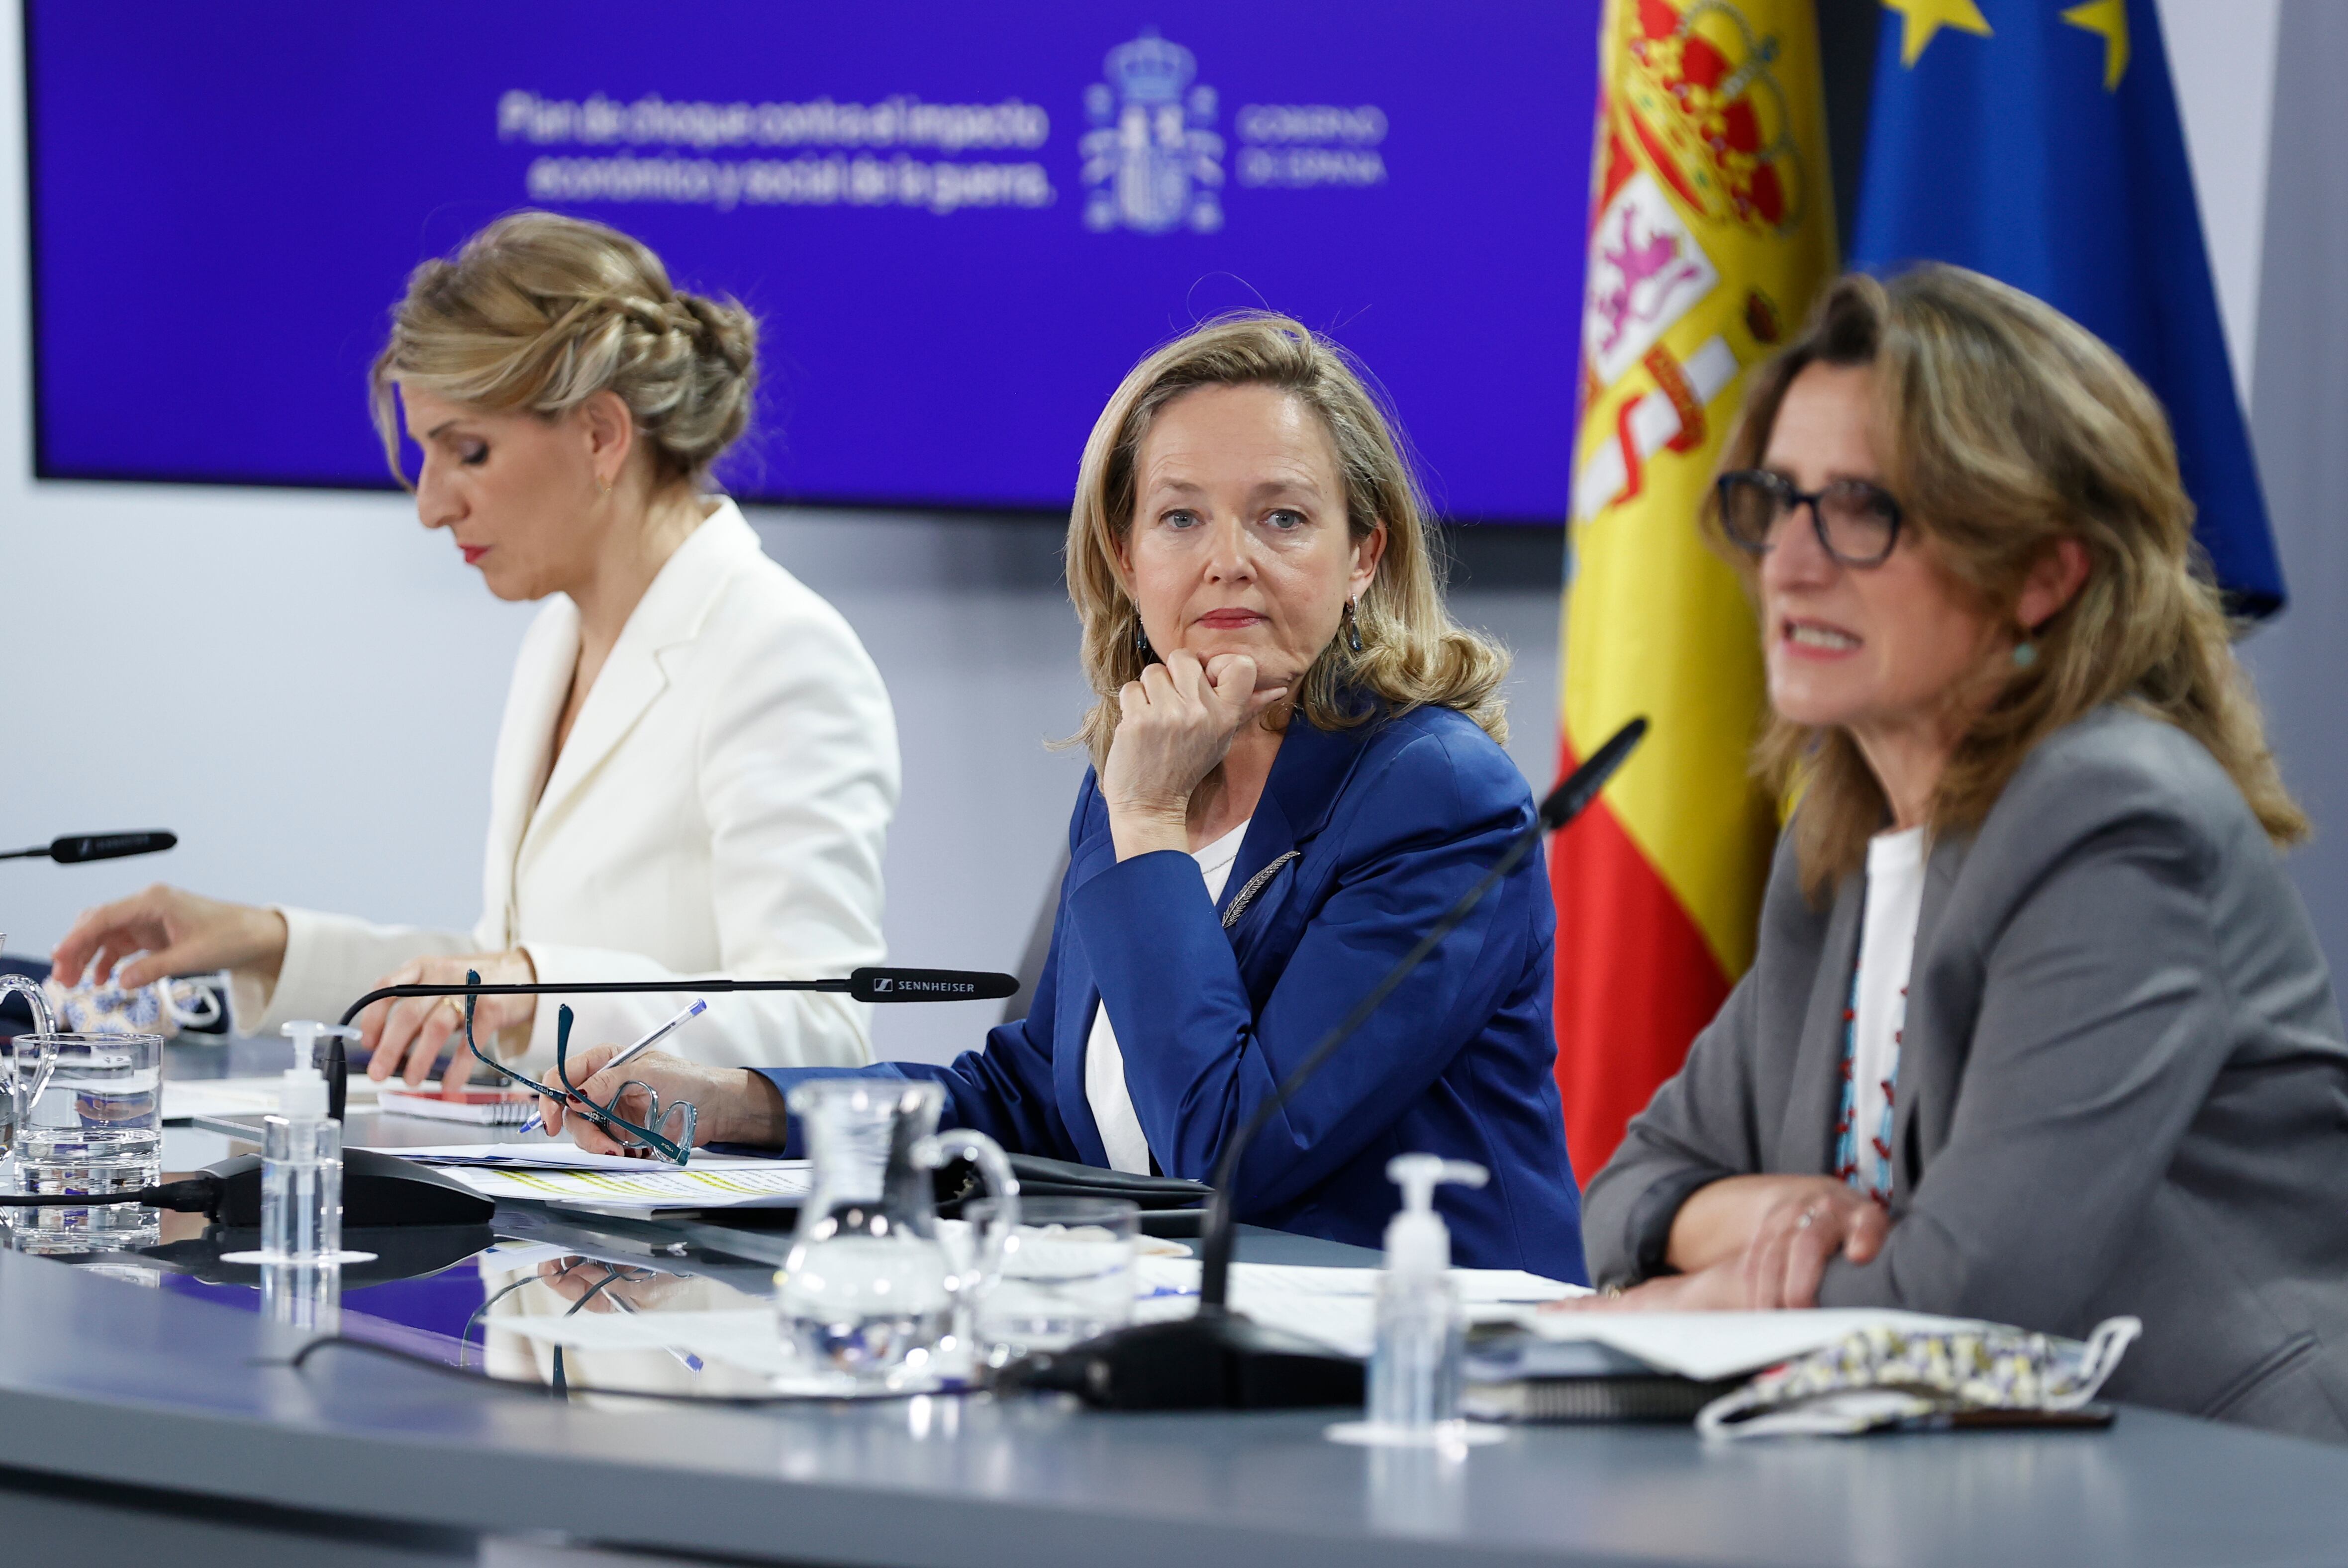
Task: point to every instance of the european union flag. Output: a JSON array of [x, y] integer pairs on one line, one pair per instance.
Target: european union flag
[[2039, 143]]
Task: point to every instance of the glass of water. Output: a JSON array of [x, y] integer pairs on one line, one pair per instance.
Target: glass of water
[[1068, 1275], [95, 1129]]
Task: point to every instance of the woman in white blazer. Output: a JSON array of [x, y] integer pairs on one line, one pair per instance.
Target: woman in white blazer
[[697, 763]]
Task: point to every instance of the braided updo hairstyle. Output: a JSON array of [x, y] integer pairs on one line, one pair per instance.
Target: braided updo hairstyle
[[539, 312]]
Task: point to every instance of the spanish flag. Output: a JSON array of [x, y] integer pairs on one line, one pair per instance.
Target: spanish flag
[[1712, 225]]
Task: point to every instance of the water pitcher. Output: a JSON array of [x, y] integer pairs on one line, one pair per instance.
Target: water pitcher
[[870, 1293]]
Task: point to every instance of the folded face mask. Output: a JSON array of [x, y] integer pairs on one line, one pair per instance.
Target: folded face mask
[[1886, 1377], [165, 1007]]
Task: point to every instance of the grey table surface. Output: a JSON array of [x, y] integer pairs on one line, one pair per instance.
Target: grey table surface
[[115, 1385]]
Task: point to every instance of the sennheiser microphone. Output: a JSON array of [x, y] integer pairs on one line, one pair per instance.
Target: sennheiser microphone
[[76, 847], [1219, 1358], [881, 985]]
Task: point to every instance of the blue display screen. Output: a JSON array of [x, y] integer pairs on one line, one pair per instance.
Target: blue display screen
[[960, 224]]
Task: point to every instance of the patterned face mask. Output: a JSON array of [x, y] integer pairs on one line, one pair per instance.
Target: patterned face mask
[[1884, 1377], [163, 1008]]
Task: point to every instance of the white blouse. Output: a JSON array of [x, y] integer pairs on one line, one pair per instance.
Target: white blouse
[[1105, 1090], [1887, 946]]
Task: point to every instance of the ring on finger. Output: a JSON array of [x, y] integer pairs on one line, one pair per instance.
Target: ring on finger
[[1809, 1217]]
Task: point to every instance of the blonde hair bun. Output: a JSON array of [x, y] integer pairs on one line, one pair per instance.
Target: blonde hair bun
[[539, 312]]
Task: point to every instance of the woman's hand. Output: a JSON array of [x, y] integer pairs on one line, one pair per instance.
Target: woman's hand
[[1717, 1289], [164, 931], [733, 1105], [1174, 727], [1755, 1243], [407, 1034], [1798, 1233]]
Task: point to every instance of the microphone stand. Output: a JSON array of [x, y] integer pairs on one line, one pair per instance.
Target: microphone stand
[[381, 1190], [1219, 1358], [880, 987]]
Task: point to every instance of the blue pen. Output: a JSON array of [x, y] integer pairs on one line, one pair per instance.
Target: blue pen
[[631, 1053], [649, 1041]]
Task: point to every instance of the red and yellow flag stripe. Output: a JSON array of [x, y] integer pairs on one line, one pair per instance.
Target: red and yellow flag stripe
[[1711, 228]]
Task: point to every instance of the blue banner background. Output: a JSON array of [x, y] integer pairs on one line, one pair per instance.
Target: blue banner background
[[227, 200]]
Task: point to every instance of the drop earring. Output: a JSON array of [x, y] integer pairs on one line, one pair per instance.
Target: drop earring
[[2025, 654], [1353, 628], [1140, 641]]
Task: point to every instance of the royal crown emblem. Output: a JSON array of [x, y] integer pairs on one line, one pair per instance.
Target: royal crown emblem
[[1150, 70], [1699, 100]]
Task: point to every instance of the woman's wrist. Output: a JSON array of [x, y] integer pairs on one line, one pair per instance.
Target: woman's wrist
[[1145, 828], [263, 944], [754, 1112]]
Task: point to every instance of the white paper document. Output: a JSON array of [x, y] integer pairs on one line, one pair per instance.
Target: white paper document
[[642, 1185], [1336, 1306], [1706, 1346], [184, 1099]]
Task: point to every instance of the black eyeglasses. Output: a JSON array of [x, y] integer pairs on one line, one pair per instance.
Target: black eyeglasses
[[1857, 523], [669, 1133]]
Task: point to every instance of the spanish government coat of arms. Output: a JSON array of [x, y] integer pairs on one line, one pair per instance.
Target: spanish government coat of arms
[[1153, 161]]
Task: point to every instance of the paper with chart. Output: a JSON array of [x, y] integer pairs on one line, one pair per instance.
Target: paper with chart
[[780, 1183], [562, 1154]]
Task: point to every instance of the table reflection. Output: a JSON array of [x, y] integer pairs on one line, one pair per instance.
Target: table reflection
[[553, 1300]]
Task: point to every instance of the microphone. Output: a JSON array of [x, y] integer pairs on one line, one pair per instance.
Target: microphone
[[75, 848], [1219, 1358], [380, 1189], [880, 985]]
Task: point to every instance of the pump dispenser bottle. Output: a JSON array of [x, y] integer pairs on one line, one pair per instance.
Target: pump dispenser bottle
[[1415, 1370], [302, 1160]]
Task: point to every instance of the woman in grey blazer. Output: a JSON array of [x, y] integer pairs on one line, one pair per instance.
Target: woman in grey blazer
[[2038, 1031]]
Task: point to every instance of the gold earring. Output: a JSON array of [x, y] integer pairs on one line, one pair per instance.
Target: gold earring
[[603, 484]]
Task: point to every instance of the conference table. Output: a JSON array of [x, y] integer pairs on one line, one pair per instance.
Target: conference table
[[158, 1415]]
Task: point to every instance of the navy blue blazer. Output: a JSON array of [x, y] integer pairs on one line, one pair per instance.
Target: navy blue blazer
[[1368, 836]]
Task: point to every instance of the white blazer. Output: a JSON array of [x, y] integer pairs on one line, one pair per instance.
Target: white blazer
[[719, 809]]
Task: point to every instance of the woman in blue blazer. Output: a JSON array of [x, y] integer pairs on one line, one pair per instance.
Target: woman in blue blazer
[[1297, 772]]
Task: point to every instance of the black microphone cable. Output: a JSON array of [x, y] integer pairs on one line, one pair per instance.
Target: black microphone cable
[[194, 1195]]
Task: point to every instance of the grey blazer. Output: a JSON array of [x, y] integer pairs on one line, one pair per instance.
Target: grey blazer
[[2123, 1086]]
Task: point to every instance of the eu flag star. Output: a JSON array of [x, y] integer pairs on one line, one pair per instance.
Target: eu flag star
[[1923, 18], [2109, 18]]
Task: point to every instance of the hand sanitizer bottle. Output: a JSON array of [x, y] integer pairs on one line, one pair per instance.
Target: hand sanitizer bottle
[[302, 1160], [1415, 1369]]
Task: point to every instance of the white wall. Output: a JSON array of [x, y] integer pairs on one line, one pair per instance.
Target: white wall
[[2222, 58]]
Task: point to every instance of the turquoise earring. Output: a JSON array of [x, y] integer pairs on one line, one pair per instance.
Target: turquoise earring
[[2024, 655]]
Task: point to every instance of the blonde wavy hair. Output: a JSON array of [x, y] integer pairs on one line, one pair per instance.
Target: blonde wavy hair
[[2009, 427], [539, 312], [1413, 653]]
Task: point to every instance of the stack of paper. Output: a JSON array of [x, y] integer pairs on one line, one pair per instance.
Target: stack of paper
[[1707, 1345], [1335, 1306], [556, 1173], [654, 1187]]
